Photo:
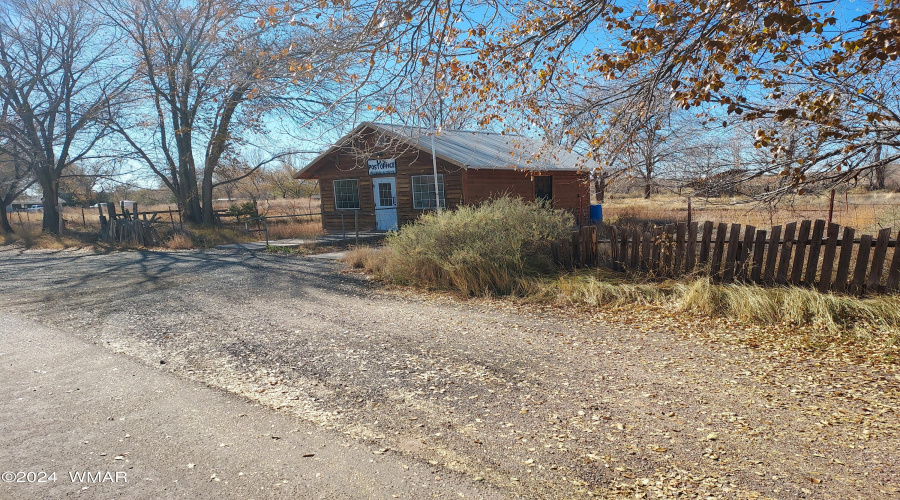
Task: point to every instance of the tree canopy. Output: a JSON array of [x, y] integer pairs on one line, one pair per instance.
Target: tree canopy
[[585, 71]]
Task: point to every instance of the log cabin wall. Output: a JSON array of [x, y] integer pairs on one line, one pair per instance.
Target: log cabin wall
[[409, 164], [571, 190]]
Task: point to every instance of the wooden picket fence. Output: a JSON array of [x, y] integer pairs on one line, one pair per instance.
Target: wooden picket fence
[[578, 250], [804, 254]]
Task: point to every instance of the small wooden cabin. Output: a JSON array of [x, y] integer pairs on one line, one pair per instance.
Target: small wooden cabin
[[381, 176]]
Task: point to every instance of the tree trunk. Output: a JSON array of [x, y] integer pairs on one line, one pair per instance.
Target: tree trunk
[[880, 176], [206, 193], [5, 228], [600, 187], [648, 177], [190, 201], [187, 179], [50, 189], [879, 170], [218, 144], [600, 183]]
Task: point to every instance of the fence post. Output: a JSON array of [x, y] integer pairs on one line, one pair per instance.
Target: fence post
[[772, 255], [690, 257], [589, 245], [759, 249], [734, 239], [744, 257], [635, 248], [884, 236], [646, 249], [843, 270], [718, 249], [577, 258], [668, 248], [704, 244], [785, 261], [862, 264], [680, 230], [613, 246], [893, 278], [690, 213], [800, 253], [831, 207], [656, 244], [815, 247], [828, 258]]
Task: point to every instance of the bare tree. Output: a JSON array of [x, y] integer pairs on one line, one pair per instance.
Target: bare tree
[[15, 179], [776, 65], [58, 79], [79, 183], [215, 76]]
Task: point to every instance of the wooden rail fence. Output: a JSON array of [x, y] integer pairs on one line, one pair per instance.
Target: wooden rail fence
[[127, 227], [807, 253]]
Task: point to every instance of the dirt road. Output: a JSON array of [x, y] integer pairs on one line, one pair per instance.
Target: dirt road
[[536, 403], [78, 421]]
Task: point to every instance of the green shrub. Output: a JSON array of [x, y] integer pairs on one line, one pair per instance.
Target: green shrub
[[248, 208], [484, 249]]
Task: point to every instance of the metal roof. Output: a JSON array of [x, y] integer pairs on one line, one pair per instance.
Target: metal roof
[[476, 149]]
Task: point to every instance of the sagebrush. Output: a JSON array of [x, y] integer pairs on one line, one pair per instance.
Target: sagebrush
[[484, 249]]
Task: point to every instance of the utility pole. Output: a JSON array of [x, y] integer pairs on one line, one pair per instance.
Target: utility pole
[[437, 193]]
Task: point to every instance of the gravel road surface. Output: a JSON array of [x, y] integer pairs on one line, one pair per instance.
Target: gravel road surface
[[539, 403], [84, 422]]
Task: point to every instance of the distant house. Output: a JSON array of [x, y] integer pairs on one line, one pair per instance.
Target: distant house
[[25, 203], [381, 176]]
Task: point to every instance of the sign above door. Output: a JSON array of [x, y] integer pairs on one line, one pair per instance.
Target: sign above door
[[382, 167]]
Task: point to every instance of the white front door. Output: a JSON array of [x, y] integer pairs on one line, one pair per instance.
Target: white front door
[[385, 203]]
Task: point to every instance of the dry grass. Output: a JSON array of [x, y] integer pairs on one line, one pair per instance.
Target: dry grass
[[798, 316], [33, 237], [290, 230], [283, 206], [602, 288], [479, 250], [178, 241], [367, 258], [865, 211], [837, 314], [83, 226]]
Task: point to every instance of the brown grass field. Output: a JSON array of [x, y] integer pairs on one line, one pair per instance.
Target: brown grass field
[[865, 211], [83, 226]]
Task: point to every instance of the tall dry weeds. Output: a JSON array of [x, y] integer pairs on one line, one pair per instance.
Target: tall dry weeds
[[480, 250], [835, 318]]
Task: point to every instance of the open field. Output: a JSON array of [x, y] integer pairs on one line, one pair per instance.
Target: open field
[[83, 226], [540, 402], [865, 212]]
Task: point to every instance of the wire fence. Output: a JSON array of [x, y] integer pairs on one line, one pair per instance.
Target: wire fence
[[869, 217]]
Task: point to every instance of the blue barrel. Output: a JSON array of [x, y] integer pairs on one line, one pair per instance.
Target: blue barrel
[[596, 214]]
